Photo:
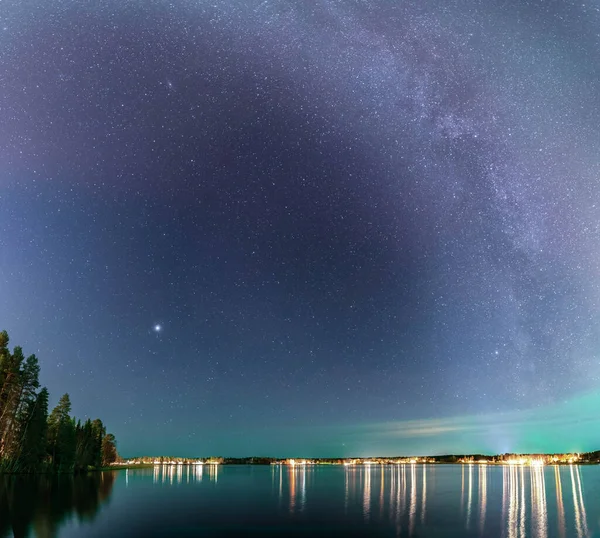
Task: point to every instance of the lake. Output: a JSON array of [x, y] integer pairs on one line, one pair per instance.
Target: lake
[[377, 500]]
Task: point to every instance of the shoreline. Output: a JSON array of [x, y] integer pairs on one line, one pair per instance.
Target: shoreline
[[137, 466]]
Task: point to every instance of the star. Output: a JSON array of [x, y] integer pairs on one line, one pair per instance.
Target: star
[[157, 328]]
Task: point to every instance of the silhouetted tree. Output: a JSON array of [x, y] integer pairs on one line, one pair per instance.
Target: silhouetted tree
[[10, 393], [17, 400], [109, 449], [61, 435], [30, 439], [34, 434], [98, 433]]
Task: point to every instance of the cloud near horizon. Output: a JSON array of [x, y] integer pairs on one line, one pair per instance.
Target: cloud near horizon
[[561, 427]]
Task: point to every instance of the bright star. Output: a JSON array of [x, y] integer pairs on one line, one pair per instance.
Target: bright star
[[157, 328]]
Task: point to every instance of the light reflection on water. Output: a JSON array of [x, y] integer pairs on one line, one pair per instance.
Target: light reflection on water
[[560, 509], [367, 492], [413, 498], [398, 494], [477, 500], [482, 497], [579, 507], [424, 494], [180, 474], [470, 496], [538, 503]]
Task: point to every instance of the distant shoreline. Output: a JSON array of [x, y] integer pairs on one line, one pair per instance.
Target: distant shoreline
[[494, 464], [283, 463], [590, 458]]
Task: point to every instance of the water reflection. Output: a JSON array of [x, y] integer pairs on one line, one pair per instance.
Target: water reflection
[[297, 488], [407, 499], [400, 495], [579, 507], [396, 493], [522, 502], [424, 494], [280, 485], [403, 496], [470, 495], [413, 498], [531, 519], [560, 509], [514, 499], [183, 474], [292, 482], [539, 516], [40, 505], [462, 489], [381, 490], [367, 493], [303, 488], [297, 484], [482, 497]]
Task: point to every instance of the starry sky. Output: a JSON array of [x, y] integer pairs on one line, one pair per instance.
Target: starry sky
[[322, 228]]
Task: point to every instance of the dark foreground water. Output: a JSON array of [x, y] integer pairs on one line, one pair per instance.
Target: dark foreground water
[[401, 500]]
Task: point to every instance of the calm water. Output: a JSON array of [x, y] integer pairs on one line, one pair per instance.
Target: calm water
[[403, 500]]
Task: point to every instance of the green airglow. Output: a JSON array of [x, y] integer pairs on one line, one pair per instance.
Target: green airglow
[[568, 426]]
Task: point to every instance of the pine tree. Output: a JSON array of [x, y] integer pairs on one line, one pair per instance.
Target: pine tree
[[61, 435], [34, 435], [4, 354], [99, 431], [17, 396], [10, 392], [87, 446], [27, 386], [68, 443], [109, 449]]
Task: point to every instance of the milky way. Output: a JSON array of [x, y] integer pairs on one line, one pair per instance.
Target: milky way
[[345, 215]]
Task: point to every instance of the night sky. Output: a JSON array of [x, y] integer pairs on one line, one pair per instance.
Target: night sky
[[321, 228]]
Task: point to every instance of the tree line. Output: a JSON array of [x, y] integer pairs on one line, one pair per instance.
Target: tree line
[[31, 440]]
